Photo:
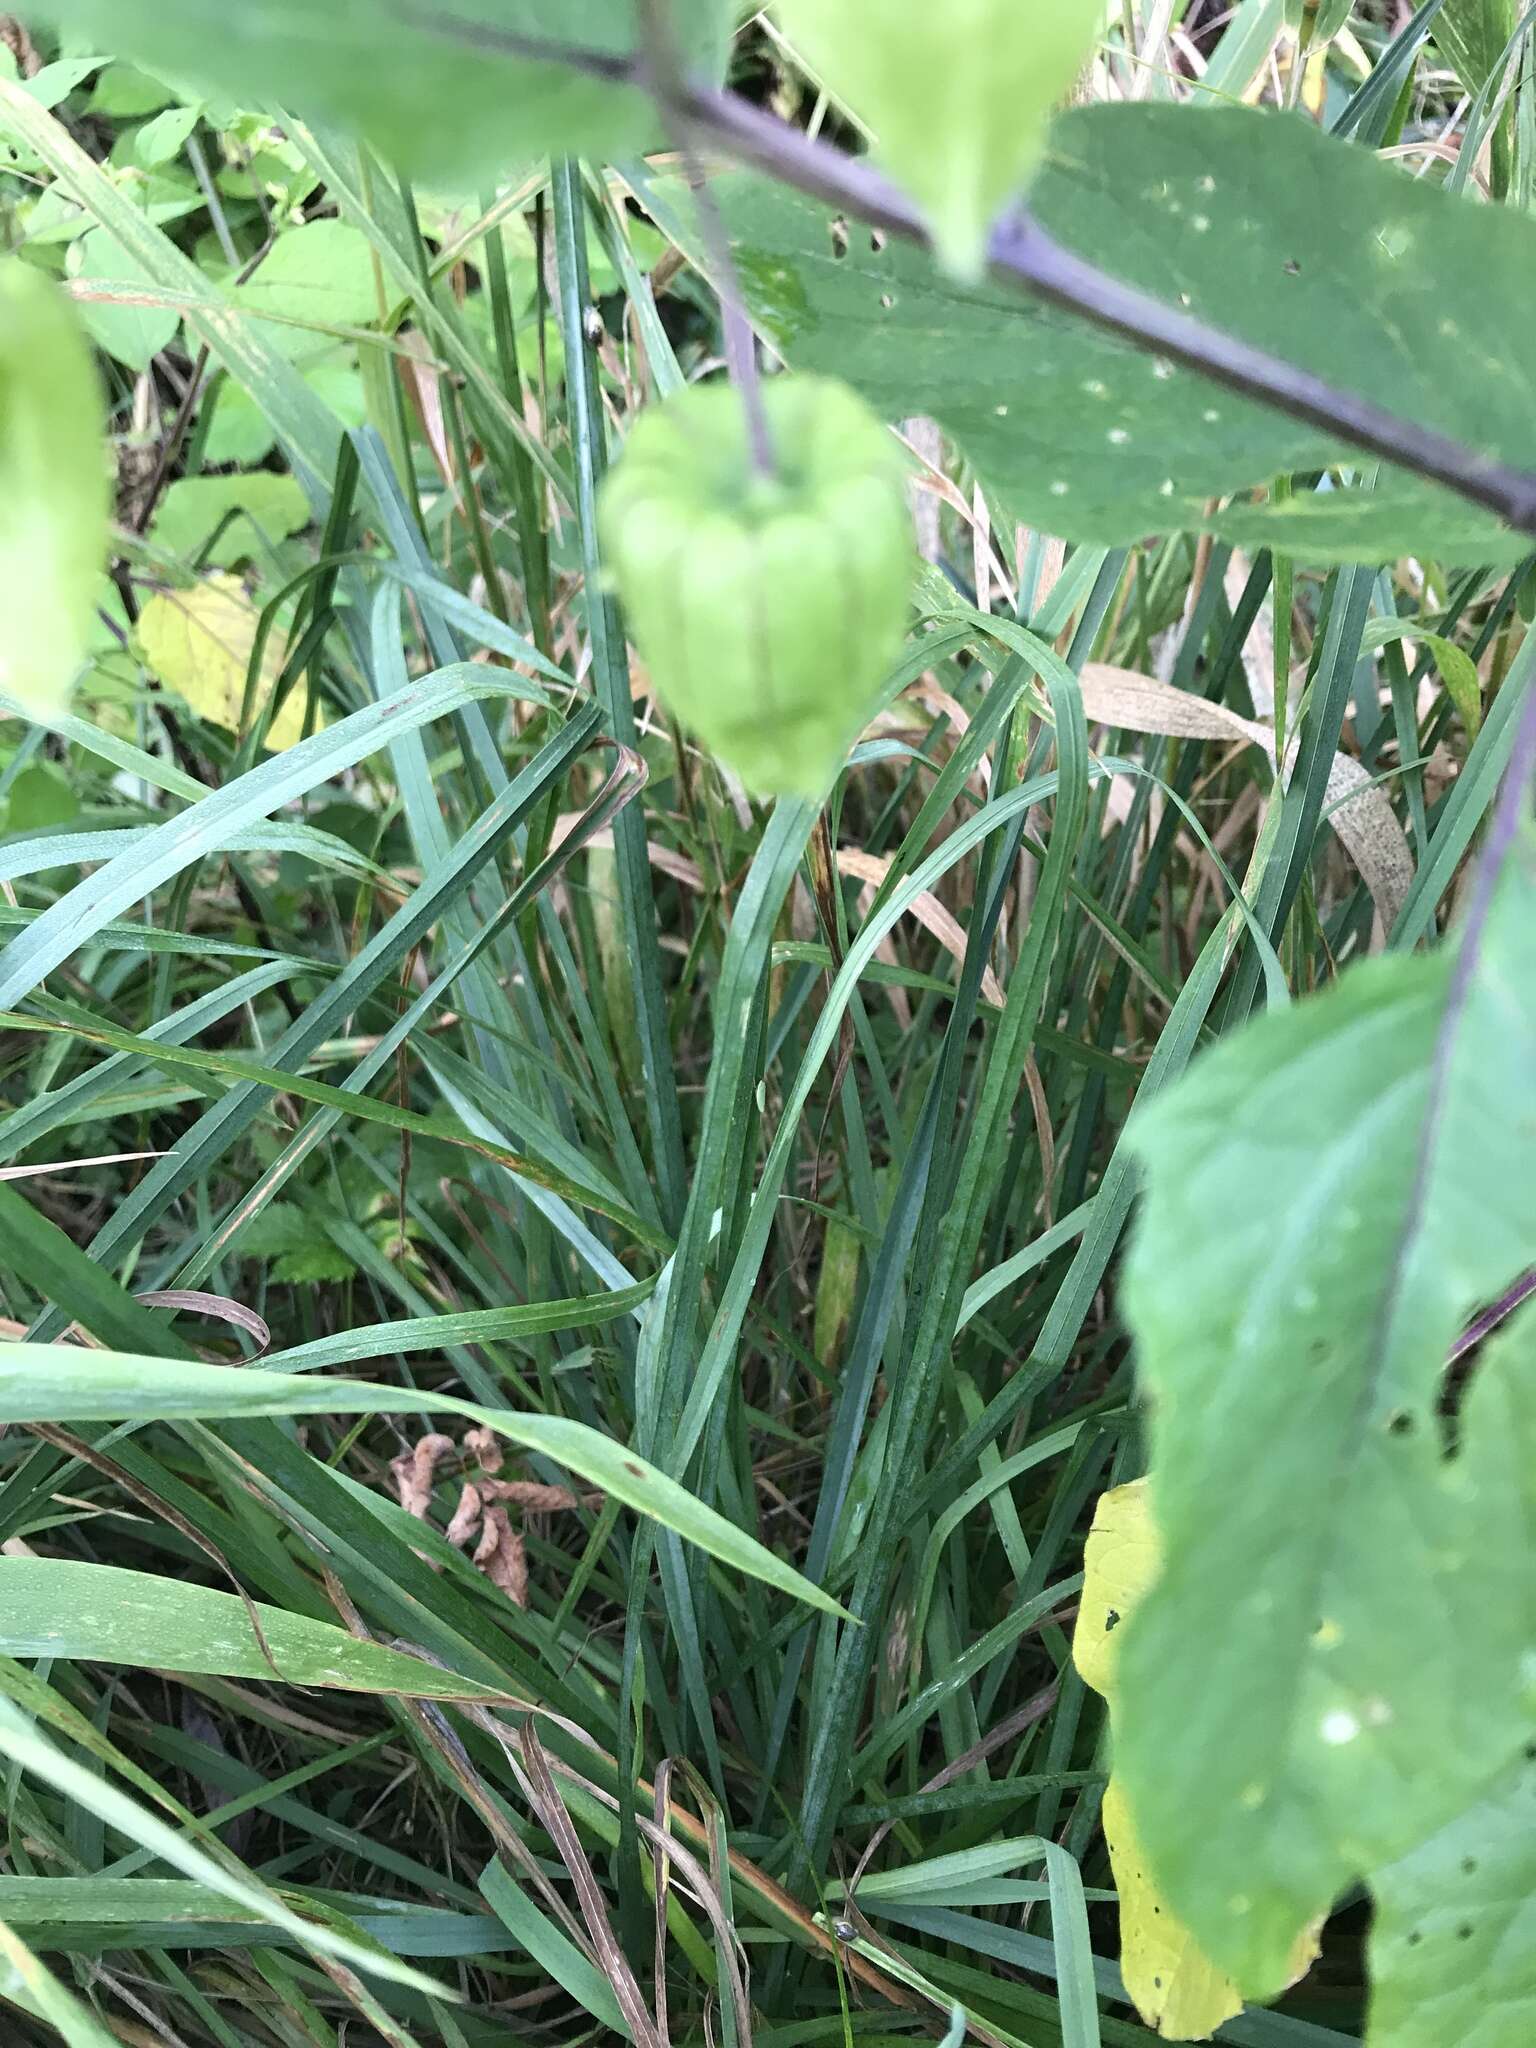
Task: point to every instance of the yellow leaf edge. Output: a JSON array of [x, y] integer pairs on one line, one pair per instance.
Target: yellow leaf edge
[[1172, 1983]]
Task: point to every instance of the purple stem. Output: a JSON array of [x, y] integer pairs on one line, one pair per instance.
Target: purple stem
[[1491, 1317]]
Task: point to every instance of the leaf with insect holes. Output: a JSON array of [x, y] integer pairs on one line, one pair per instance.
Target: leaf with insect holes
[[1339, 1596], [1214, 212], [425, 80], [53, 491], [769, 608], [1173, 1984], [958, 97], [1453, 1939]]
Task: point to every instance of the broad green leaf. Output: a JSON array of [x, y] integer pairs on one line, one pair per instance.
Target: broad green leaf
[[958, 97], [41, 1382], [1216, 211], [61, 1607], [769, 608], [53, 491], [1172, 1982], [1453, 1941], [200, 641], [1339, 1600], [412, 77]]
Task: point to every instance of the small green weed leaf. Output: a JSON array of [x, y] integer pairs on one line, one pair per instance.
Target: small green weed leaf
[[1453, 1942], [229, 519], [409, 74], [61, 1607], [1216, 211], [132, 333], [1278, 1697], [318, 275], [47, 1382], [769, 608], [958, 97], [53, 491]]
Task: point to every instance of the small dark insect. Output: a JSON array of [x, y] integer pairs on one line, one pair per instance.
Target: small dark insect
[[592, 327]]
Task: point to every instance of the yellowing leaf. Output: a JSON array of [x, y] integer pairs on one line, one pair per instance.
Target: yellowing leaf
[[1174, 1985], [200, 642], [53, 491], [1120, 1564]]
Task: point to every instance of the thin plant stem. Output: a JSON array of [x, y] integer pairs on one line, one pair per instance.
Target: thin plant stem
[[672, 94]]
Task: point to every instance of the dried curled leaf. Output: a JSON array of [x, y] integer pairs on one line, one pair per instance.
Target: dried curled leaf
[[502, 1555], [53, 491], [769, 609], [415, 1473], [958, 96]]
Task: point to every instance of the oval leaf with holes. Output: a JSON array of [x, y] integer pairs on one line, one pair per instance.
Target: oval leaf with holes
[[53, 491], [1216, 211], [769, 607], [1278, 1699], [957, 97], [1453, 1939]]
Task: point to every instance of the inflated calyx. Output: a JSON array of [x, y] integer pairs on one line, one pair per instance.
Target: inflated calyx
[[957, 95], [769, 607]]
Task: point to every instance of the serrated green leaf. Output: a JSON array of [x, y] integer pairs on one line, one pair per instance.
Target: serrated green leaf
[[1279, 1698], [958, 97], [1216, 211], [53, 491], [310, 1263], [411, 77]]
